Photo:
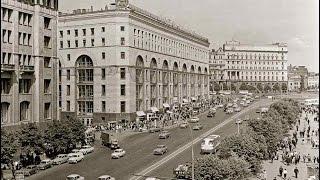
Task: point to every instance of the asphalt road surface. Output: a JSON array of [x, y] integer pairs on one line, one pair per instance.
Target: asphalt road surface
[[139, 153]]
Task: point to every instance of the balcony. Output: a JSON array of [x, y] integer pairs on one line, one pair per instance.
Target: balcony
[[7, 67], [27, 68]]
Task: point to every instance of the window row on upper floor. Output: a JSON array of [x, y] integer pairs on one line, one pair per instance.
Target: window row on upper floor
[[83, 31], [155, 42]]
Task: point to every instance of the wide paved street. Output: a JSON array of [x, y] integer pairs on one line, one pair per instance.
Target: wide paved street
[[139, 148]]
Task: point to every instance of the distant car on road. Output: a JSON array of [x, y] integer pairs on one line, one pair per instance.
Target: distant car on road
[[74, 158], [60, 159], [229, 111], [45, 164], [106, 177], [184, 125], [154, 129], [118, 153], [28, 171], [86, 149], [194, 120], [245, 105], [197, 127], [160, 150], [242, 102], [210, 144], [74, 177], [220, 105], [238, 121], [238, 109], [164, 135], [182, 171]]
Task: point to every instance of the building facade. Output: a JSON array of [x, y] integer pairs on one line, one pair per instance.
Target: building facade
[[313, 81], [250, 64], [28, 61], [119, 61], [302, 72], [294, 83]]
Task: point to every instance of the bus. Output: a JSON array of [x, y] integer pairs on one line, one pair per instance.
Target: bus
[[209, 144]]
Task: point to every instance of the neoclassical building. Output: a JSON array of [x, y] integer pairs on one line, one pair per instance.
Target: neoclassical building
[[250, 64], [28, 61], [117, 61]]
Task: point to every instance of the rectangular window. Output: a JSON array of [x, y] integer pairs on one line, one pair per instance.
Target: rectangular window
[[68, 75], [68, 105], [47, 41], [103, 29], [103, 106], [84, 43], [68, 57], [24, 85], [4, 39], [103, 73], [122, 28], [76, 43], [123, 106], [103, 55], [92, 42], [5, 86], [76, 32], [122, 90], [47, 114], [68, 32], [46, 21], [68, 42], [122, 73], [123, 55], [103, 90], [61, 44], [122, 41], [84, 32], [46, 62], [92, 31], [61, 34], [47, 86], [68, 90], [103, 41]]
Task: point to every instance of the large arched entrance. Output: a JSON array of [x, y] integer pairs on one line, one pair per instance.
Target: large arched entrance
[[84, 83], [165, 81]]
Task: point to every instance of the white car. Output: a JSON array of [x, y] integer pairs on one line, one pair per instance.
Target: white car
[[74, 177], [194, 120], [86, 149], [220, 105], [238, 121], [60, 159], [238, 109], [248, 101], [106, 177], [241, 102], [75, 150], [118, 153], [74, 158]]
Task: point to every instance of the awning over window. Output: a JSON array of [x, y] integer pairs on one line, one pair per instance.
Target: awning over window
[[154, 109], [166, 105], [185, 100], [140, 113]]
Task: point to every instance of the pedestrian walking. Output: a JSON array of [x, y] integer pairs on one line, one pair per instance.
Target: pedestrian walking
[[280, 171], [296, 171], [285, 172]]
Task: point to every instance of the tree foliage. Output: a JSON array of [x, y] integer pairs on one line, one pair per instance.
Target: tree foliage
[[31, 139], [284, 87], [8, 147], [276, 87], [233, 87], [259, 87], [243, 86], [216, 87], [267, 88]]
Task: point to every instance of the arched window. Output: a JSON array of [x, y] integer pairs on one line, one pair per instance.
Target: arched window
[[5, 112], [24, 111]]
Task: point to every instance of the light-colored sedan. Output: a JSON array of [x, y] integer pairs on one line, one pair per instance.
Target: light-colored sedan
[[60, 159], [106, 177], [160, 150], [238, 121], [164, 135], [194, 120], [220, 105], [118, 153], [197, 127], [74, 158], [45, 164], [184, 125], [74, 177], [238, 109], [86, 149]]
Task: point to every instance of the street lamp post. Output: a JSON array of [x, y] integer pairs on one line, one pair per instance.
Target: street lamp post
[[238, 126]]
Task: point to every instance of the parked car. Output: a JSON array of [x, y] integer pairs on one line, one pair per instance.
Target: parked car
[[151, 178], [245, 105], [164, 135], [74, 158], [184, 125], [238, 121], [197, 127], [160, 150], [45, 164], [60, 159], [238, 109], [194, 120], [242, 102], [106, 177], [118, 153], [75, 150], [229, 111], [29, 170], [74, 177], [248, 101], [220, 105], [86, 149], [154, 129]]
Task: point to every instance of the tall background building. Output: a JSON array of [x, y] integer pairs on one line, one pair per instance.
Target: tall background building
[[236, 64], [28, 61], [120, 60]]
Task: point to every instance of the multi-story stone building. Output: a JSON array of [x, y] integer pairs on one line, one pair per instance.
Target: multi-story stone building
[[294, 83], [313, 80], [302, 72], [28, 61], [119, 61], [250, 64]]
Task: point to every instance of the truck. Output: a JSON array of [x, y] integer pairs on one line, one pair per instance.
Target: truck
[[109, 141]]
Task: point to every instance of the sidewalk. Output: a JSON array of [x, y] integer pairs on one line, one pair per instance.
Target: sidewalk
[[303, 148]]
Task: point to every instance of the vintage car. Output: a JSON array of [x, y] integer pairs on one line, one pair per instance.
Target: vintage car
[[197, 127], [164, 135], [118, 153], [60, 159], [160, 150]]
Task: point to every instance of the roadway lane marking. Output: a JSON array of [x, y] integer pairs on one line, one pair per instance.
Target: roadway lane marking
[[195, 141]]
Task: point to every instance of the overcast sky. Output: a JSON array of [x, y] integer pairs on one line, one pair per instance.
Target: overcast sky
[[248, 21]]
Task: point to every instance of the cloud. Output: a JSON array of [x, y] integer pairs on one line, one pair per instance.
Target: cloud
[[299, 43]]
